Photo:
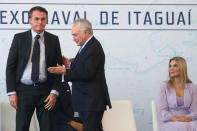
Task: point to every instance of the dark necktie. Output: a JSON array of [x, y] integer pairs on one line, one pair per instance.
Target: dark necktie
[[35, 60]]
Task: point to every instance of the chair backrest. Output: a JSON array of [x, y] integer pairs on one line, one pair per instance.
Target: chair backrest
[[8, 115], [155, 116], [120, 117]]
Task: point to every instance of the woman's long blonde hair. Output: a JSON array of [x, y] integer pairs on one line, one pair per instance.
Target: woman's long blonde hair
[[183, 71]]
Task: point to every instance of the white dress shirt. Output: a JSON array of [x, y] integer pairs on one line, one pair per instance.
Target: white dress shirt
[[26, 77]]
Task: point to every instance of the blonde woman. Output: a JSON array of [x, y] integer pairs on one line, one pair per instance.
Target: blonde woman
[[177, 101]]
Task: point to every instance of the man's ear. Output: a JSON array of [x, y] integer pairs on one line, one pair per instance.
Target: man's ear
[[87, 32]]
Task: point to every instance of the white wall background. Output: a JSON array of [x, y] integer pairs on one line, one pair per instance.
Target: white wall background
[[136, 55]]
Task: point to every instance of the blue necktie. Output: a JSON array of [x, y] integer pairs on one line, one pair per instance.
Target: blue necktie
[[80, 50], [35, 60]]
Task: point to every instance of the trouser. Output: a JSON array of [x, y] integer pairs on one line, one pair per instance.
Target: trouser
[[64, 127], [92, 120], [28, 101]]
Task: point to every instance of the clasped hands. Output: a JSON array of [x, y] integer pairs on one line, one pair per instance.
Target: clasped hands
[[181, 119]]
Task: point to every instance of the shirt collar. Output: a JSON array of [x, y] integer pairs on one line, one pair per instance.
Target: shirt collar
[[86, 42], [34, 34]]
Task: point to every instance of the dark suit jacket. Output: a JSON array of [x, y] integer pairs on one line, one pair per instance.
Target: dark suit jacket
[[63, 112], [87, 74], [19, 55]]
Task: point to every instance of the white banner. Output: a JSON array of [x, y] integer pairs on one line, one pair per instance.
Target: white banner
[[138, 38]]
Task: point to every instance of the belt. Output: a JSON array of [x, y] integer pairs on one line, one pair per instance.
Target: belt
[[35, 84]]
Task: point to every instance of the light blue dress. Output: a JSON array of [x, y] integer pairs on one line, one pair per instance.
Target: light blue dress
[[170, 105]]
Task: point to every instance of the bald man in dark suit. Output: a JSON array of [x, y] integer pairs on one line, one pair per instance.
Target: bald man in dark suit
[[90, 92]]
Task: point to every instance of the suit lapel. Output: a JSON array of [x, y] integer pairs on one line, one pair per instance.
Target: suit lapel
[[27, 46], [46, 42], [90, 42], [84, 49]]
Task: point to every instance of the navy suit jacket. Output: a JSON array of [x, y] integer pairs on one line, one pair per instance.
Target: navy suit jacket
[[89, 88], [19, 55], [63, 112]]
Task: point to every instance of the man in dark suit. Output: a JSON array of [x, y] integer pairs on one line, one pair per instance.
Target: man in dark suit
[[64, 117], [29, 84], [89, 89]]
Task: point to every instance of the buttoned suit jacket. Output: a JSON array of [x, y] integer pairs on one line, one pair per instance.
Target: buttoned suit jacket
[[19, 55], [89, 88]]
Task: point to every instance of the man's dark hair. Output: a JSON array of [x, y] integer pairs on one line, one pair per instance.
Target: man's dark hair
[[38, 8]]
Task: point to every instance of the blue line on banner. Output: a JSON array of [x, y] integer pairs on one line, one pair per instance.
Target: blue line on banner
[[194, 4]]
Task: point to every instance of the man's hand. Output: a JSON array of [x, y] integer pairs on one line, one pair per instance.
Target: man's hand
[[65, 61], [57, 70], [76, 125], [50, 101], [13, 100]]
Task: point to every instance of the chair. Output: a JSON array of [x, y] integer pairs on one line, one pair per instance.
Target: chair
[[155, 116], [7, 119], [120, 117]]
